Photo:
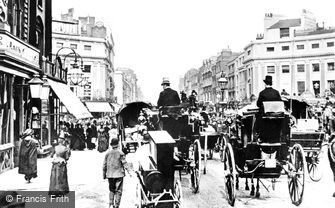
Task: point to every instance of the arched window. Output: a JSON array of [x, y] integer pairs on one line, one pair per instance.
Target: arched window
[[39, 34]]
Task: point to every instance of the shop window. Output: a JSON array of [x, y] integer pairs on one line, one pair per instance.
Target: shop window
[[331, 86], [330, 66], [301, 87], [271, 69], [300, 47], [284, 32], [5, 88], [316, 67], [285, 68], [301, 67], [316, 88]]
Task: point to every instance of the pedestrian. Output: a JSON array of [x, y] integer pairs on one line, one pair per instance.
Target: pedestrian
[[58, 179], [89, 136], [28, 155], [114, 167], [102, 139]]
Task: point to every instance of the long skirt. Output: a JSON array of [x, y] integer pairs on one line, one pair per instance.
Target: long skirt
[[58, 180], [102, 144]]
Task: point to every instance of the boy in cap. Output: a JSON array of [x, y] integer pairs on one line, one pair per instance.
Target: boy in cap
[[114, 169]]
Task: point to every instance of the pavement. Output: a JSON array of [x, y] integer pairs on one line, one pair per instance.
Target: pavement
[[85, 178]]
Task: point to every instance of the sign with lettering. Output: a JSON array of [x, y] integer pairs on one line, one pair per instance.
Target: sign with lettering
[[19, 50]]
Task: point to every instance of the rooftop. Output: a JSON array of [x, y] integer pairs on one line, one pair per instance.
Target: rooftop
[[286, 23]]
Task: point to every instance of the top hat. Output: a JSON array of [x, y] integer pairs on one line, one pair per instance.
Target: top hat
[[166, 81], [115, 142], [268, 80]]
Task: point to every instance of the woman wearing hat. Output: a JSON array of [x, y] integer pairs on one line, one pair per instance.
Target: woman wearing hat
[[28, 155], [58, 180], [102, 138]]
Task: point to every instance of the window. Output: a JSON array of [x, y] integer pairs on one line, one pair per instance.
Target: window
[[316, 67], [316, 88], [87, 68], [315, 45], [301, 87], [300, 47], [271, 69], [330, 66], [285, 68], [87, 47], [284, 32], [59, 45], [270, 49], [73, 46], [331, 85], [285, 48], [301, 67], [330, 44]]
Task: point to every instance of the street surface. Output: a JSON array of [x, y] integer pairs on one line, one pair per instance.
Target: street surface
[[85, 178]]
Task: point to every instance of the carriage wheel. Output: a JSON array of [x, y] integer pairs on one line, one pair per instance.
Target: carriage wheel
[[313, 166], [138, 196], [195, 171], [179, 194], [229, 174], [222, 148], [296, 174]]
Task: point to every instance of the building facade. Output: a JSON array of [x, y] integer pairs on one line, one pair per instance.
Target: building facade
[[25, 49], [126, 87], [94, 46], [297, 53]]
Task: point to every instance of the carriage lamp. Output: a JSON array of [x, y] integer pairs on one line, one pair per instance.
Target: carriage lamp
[[35, 85]]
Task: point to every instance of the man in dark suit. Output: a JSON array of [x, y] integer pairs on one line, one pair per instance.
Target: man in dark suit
[[268, 94], [168, 97], [267, 129]]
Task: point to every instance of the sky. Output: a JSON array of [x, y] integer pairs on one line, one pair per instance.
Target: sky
[[166, 38]]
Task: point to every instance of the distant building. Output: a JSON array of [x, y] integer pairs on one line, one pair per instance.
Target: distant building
[[126, 87], [297, 53], [95, 45]]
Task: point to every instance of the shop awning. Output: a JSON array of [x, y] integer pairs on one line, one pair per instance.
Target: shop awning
[[101, 107], [70, 100]]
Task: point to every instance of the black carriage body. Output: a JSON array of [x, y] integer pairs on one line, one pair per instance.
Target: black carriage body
[[248, 148], [158, 168]]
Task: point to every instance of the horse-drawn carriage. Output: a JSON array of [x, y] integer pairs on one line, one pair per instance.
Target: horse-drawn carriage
[[261, 150], [165, 141]]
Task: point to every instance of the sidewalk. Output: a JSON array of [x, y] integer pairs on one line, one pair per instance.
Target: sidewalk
[[85, 178]]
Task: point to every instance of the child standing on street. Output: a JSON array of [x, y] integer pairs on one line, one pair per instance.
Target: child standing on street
[[114, 167]]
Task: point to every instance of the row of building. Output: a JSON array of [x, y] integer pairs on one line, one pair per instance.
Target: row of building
[[298, 53], [48, 64]]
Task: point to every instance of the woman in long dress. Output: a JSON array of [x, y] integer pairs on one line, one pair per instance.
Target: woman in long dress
[[58, 180], [102, 139], [28, 155]]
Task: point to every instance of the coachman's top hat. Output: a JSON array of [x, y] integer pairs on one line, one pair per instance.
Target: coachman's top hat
[[166, 81], [268, 80]]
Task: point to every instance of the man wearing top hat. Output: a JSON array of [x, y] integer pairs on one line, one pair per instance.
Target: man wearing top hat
[[268, 94], [168, 97]]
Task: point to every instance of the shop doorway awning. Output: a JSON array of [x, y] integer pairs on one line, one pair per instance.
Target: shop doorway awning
[[99, 107], [70, 100]]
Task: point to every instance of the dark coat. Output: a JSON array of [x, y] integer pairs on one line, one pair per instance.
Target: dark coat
[[268, 94], [28, 157], [168, 97]]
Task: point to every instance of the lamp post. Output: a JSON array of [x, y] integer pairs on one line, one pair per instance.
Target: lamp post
[[222, 84], [35, 85]]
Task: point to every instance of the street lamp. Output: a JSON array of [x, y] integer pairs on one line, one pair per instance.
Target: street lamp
[[35, 85], [222, 83]]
